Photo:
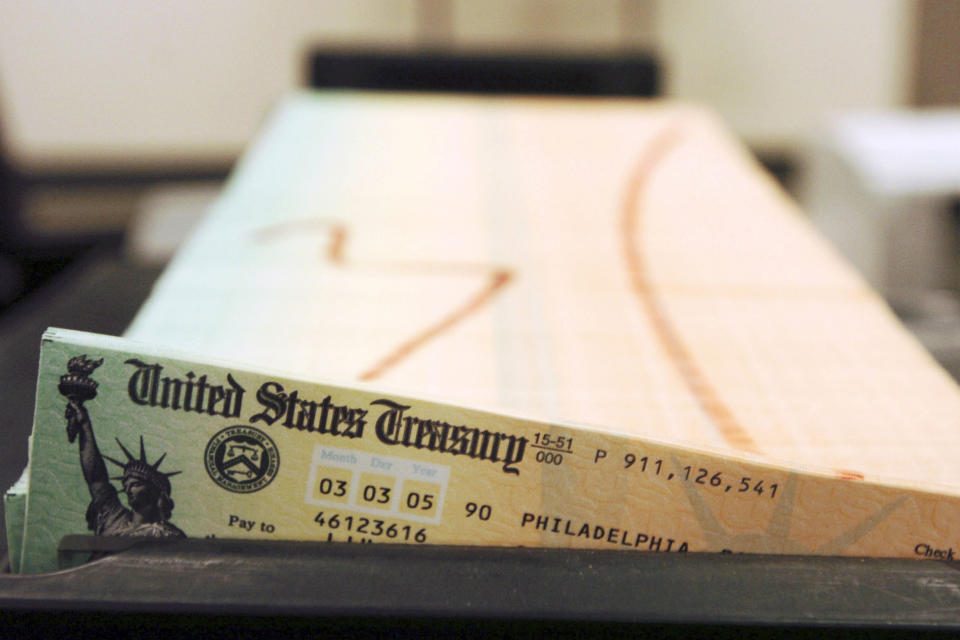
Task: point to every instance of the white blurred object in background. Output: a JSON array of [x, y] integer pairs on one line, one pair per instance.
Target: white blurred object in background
[[884, 187]]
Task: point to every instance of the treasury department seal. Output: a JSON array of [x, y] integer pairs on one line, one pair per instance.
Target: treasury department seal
[[241, 459]]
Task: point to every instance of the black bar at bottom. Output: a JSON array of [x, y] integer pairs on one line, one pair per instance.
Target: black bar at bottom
[[368, 581]]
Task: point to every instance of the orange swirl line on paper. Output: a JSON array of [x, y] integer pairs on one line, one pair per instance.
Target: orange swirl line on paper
[[499, 279], [334, 252], [631, 229]]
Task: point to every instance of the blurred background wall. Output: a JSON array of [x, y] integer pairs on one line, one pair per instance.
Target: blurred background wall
[[103, 102], [118, 82]]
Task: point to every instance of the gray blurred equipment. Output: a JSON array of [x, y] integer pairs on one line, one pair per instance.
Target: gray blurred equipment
[[885, 189]]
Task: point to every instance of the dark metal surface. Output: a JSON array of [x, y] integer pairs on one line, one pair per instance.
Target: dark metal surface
[[233, 577]]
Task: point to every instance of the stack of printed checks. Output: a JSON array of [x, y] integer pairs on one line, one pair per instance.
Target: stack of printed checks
[[483, 321]]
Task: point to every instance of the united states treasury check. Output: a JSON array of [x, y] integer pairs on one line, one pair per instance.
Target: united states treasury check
[[132, 440]]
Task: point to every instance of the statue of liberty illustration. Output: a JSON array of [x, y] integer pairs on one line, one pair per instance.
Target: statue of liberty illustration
[[147, 489]]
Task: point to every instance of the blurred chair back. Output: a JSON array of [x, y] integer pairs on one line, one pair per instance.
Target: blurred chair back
[[633, 74]]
